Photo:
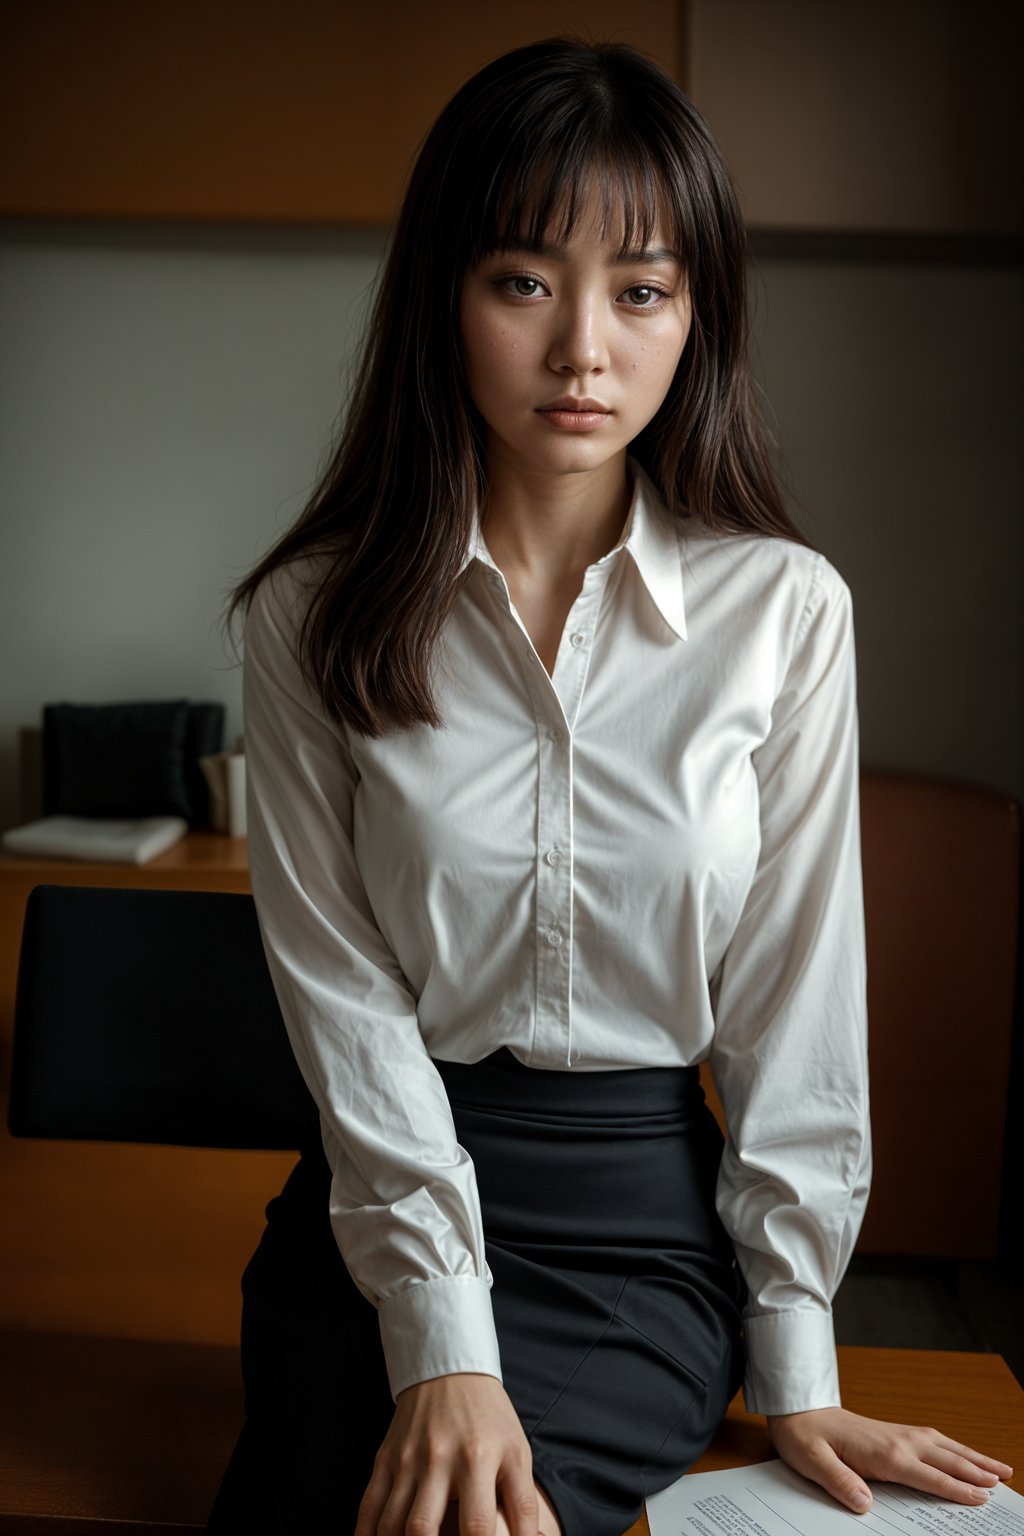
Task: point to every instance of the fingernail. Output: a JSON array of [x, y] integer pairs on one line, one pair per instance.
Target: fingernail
[[860, 1500], [981, 1494]]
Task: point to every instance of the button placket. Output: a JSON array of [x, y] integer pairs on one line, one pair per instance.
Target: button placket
[[554, 1040], [573, 660], [553, 1025], [553, 1043]]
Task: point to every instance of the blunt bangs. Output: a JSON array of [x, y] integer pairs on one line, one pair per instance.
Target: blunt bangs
[[543, 200], [536, 163]]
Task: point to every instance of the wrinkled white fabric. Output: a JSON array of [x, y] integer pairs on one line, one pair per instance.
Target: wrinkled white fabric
[[649, 859]]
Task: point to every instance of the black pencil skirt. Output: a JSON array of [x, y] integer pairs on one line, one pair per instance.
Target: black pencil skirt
[[616, 1298]]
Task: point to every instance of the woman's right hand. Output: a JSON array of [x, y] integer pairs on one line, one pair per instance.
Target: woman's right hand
[[452, 1437]]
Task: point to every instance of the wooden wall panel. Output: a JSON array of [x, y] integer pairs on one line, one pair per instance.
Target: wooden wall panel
[[865, 115], [296, 111], [856, 115]]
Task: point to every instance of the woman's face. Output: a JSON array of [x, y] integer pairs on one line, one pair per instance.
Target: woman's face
[[574, 325]]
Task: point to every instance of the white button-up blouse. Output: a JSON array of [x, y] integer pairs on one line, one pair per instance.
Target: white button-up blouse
[[650, 858]]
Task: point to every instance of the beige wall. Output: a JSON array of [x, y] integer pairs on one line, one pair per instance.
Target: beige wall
[[898, 393], [165, 396]]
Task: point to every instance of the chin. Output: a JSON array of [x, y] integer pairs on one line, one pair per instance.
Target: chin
[[575, 456]]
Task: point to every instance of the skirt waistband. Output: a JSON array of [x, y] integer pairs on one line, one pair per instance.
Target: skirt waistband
[[500, 1083]]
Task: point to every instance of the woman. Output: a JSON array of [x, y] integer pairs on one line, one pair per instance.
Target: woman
[[552, 744]]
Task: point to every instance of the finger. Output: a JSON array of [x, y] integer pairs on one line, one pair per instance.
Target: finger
[[959, 1466], [519, 1499], [392, 1521], [372, 1502], [941, 1486], [987, 1463], [819, 1462], [429, 1505], [920, 1474], [478, 1502]]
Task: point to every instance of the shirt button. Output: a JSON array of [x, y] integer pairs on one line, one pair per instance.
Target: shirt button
[[554, 856], [577, 640], [555, 735], [553, 937]]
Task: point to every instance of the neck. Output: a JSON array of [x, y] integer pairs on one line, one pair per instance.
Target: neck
[[547, 529]]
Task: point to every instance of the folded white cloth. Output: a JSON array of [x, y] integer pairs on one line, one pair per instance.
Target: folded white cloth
[[133, 841]]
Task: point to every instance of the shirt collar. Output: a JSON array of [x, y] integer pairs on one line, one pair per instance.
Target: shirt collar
[[650, 535], [652, 538], [477, 548]]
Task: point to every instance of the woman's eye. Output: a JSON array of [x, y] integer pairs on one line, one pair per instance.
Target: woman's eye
[[643, 296], [522, 287]]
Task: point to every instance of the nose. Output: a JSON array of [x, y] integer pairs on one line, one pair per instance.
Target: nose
[[579, 344]]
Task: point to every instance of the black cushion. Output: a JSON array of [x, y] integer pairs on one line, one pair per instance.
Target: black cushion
[[150, 1016], [116, 759]]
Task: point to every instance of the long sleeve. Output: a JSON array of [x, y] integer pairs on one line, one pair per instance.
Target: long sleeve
[[404, 1205], [789, 1055]]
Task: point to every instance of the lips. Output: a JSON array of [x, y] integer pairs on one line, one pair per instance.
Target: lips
[[574, 414], [586, 406]]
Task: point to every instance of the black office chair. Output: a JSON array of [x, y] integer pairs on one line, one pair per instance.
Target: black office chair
[[149, 1016]]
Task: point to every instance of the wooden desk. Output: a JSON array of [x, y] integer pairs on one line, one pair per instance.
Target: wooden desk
[[140, 1432], [973, 1398], [142, 1242]]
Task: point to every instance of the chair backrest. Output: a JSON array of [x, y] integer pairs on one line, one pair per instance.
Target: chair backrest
[[149, 1016], [942, 871]]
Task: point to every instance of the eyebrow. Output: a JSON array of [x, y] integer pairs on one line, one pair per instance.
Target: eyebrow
[[620, 259]]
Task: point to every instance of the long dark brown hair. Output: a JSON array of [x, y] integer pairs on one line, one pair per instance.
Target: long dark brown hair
[[513, 157]]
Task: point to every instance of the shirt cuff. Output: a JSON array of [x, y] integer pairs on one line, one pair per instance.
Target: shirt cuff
[[437, 1327], [791, 1362]]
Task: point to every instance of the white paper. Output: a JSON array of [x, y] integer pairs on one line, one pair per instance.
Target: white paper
[[770, 1499]]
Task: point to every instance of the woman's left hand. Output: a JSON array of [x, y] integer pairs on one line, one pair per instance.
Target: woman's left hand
[[839, 1450]]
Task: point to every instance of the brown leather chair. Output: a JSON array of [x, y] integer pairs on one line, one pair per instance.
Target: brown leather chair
[[942, 874]]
